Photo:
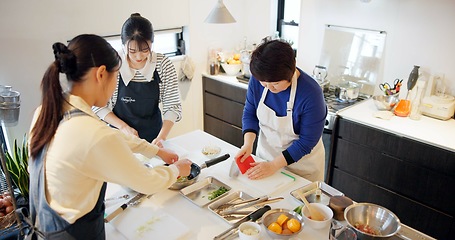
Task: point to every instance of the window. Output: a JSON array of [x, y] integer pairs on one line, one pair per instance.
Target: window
[[167, 41], [288, 21]]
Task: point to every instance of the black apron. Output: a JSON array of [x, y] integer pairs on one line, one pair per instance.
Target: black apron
[[137, 106], [47, 223]]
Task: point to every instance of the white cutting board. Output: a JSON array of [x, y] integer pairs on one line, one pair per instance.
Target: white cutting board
[[148, 223], [269, 185]]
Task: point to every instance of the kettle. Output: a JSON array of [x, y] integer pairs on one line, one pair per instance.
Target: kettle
[[320, 75]]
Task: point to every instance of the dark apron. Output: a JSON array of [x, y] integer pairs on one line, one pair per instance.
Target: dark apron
[[137, 106], [48, 223]]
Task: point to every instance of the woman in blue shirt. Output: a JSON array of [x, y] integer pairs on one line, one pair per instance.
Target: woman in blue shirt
[[285, 109]]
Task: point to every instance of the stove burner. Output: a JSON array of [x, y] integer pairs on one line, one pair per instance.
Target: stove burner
[[334, 105]]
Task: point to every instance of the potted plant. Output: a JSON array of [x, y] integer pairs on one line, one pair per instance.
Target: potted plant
[[17, 164]]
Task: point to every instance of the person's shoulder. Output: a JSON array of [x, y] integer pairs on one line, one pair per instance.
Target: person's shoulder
[[308, 82]]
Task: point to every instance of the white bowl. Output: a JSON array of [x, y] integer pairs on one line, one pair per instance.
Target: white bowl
[[231, 69], [324, 210], [249, 231]]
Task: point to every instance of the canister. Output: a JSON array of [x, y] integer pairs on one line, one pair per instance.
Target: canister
[[338, 204]]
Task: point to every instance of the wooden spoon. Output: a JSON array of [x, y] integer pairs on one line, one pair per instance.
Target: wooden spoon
[[314, 213]]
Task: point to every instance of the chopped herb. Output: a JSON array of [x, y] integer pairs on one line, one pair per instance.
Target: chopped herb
[[217, 193]]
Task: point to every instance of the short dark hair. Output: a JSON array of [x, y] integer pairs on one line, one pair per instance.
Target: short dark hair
[[137, 28], [273, 61]]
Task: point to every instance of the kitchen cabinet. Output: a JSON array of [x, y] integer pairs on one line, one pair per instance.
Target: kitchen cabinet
[[415, 180], [223, 108]]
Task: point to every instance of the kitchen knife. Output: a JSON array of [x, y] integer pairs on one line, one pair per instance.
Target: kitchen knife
[[254, 216], [234, 171], [135, 200]]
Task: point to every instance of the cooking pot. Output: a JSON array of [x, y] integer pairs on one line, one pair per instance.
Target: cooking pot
[[195, 171], [347, 91]]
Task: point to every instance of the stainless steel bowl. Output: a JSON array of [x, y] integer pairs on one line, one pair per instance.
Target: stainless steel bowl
[[384, 222], [272, 215], [385, 102]]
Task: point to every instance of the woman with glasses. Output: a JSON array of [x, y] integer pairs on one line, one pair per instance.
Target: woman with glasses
[[285, 109]]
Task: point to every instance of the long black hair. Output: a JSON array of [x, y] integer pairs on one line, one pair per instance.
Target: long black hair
[[83, 52]]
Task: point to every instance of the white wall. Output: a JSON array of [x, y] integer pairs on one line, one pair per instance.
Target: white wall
[[419, 32], [29, 28]]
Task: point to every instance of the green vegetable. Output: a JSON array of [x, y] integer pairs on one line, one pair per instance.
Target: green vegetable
[[298, 209], [217, 193]]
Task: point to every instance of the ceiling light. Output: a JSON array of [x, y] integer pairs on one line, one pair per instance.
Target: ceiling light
[[220, 14]]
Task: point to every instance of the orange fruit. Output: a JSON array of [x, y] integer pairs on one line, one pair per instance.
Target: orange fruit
[[281, 219], [275, 227], [285, 225], [286, 231], [237, 56], [293, 225]]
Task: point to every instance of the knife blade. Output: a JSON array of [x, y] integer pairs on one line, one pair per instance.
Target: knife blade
[[254, 216], [136, 199]]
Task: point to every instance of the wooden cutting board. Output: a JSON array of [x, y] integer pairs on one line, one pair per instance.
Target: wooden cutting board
[[148, 223]]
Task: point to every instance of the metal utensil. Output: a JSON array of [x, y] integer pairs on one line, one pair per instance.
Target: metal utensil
[[235, 208], [196, 170], [254, 216], [126, 196], [314, 213], [232, 204], [134, 201], [252, 204]]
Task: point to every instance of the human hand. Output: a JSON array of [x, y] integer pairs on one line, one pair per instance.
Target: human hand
[[184, 166], [261, 170], [129, 130], [244, 152], [168, 156], [158, 142]]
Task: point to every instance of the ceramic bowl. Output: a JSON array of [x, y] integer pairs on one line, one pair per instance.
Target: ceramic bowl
[[324, 210], [231, 69], [249, 231]]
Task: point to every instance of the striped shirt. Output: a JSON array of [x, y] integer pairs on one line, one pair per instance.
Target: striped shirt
[[170, 102]]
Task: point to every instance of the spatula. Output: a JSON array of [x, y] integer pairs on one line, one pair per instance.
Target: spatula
[[314, 213]]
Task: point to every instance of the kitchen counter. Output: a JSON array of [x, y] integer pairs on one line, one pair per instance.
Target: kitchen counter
[[222, 77], [427, 130], [200, 222]]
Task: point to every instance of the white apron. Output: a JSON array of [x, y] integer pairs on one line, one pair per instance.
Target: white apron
[[277, 133]]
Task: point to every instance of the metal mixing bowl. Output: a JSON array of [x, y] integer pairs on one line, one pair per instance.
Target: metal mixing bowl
[[376, 217], [272, 215], [385, 102]]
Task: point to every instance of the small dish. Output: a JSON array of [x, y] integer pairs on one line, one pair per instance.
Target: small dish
[[211, 150], [249, 231]]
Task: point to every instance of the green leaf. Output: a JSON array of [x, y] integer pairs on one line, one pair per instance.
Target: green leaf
[[17, 165]]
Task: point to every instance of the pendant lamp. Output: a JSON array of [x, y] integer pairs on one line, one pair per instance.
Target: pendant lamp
[[220, 14]]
